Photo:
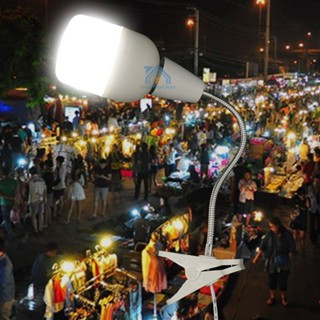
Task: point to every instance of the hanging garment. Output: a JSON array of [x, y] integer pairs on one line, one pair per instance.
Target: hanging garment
[[109, 311], [153, 269], [135, 302], [59, 292], [108, 263], [53, 298], [105, 307]]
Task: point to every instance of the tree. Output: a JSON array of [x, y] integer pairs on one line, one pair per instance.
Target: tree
[[23, 54]]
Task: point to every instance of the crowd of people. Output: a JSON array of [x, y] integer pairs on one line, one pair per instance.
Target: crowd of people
[[55, 177], [40, 172]]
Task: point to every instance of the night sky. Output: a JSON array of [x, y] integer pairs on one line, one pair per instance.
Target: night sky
[[229, 29]]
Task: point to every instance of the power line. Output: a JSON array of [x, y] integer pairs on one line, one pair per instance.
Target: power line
[[239, 5], [228, 25], [163, 3]]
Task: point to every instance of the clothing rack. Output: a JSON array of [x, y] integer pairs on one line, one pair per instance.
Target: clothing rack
[[97, 292], [127, 273], [85, 300], [107, 286], [92, 282]]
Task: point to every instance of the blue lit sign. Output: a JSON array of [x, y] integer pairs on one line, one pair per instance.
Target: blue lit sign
[[4, 108]]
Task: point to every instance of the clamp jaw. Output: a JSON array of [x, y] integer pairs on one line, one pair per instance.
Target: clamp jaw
[[195, 269]]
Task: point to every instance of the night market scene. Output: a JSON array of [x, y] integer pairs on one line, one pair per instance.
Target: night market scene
[[159, 160]]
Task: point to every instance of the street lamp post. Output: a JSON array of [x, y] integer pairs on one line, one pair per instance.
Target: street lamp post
[[196, 43], [266, 50], [191, 23], [260, 4]]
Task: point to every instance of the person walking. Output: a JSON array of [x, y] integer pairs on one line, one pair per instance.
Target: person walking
[[277, 246], [143, 171], [20, 202], [115, 158], [76, 194], [101, 180], [37, 197], [247, 188], [7, 284], [298, 222], [154, 163]]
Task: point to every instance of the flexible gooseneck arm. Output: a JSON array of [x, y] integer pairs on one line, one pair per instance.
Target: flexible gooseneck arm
[[218, 184], [227, 170]]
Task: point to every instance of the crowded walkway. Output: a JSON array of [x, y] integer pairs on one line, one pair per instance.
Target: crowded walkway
[[65, 180]]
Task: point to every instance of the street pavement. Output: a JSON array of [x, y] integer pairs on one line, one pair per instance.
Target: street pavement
[[248, 298], [246, 295]]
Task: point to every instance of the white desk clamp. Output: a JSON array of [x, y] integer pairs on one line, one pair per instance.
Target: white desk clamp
[[197, 276]]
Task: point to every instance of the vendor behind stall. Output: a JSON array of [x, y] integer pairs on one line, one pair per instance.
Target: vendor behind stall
[[41, 270], [194, 177]]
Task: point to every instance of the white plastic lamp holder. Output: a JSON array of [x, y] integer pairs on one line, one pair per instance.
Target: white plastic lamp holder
[[123, 65], [119, 64]]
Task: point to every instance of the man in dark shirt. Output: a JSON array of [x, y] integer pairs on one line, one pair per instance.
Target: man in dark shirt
[[41, 271], [75, 121], [101, 176], [143, 161], [66, 126]]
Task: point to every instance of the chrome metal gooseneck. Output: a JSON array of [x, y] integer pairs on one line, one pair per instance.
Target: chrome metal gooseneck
[[226, 171]]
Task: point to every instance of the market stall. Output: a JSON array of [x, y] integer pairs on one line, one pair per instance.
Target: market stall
[[195, 304], [90, 288]]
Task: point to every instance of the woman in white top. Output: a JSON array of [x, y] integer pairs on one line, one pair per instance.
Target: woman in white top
[[76, 195], [247, 188]]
